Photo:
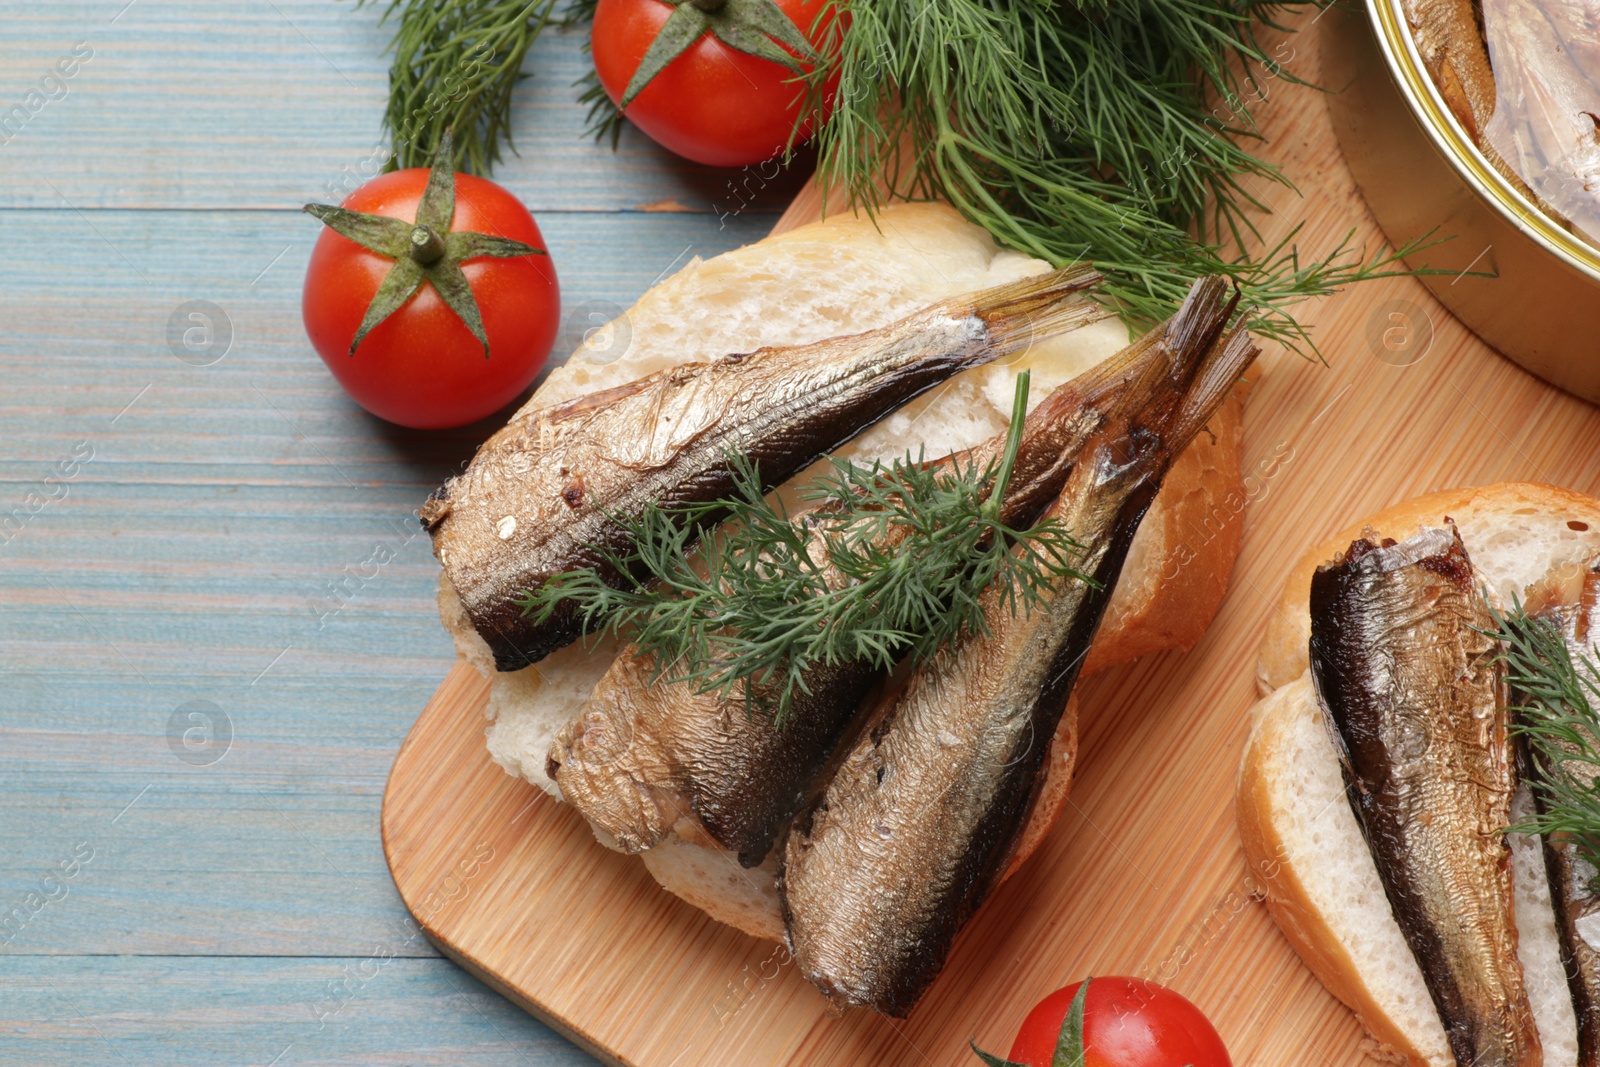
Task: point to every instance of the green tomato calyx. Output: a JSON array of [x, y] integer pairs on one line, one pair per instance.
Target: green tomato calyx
[[1069, 1042], [755, 27], [424, 249]]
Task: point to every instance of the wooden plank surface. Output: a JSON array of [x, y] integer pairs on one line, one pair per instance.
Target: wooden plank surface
[[214, 547], [1144, 875], [267, 103], [231, 1011]]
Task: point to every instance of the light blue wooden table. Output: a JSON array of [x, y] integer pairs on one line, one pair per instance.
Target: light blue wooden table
[[172, 535]]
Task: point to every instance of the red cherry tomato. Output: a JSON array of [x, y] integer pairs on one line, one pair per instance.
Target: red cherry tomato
[[712, 104], [1127, 1022], [422, 367]]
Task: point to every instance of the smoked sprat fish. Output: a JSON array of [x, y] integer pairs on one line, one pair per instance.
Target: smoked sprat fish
[[1450, 41], [922, 817], [648, 756], [1452, 48], [1412, 685], [1546, 122], [1570, 602], [545, 494]]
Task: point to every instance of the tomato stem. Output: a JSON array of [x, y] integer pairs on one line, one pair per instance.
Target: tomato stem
[[708, 5], [427, 247], [420, 252]]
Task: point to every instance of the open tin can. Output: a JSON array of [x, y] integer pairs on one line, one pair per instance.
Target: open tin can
[[1421, 173]]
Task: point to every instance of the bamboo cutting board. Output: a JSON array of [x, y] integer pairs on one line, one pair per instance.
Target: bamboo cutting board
[[1144, 874]]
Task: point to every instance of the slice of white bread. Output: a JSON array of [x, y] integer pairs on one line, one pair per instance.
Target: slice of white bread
[[1307, 854], [1302, 841], [840, 276], [1515, 533]]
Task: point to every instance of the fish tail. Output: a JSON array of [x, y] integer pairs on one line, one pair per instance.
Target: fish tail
[[1180, 393], [1167, 361], [1168, 390], [1206, 310], [1098, 387], [1023, 313], [1229, 358]]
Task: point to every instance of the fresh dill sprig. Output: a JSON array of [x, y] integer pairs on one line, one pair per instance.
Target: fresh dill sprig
[[891, 561], [455, 65], [579, 13], [604, 119], [1086, 130], [1561, 728]]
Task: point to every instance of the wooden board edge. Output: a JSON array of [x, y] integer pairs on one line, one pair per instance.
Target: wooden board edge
[[460, 675], [807, 206], [555, 1022]]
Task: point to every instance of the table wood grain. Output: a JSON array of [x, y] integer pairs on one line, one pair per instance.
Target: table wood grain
[[239, 534]]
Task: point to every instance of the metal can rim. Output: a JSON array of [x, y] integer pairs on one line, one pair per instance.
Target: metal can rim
[[1439, 123]]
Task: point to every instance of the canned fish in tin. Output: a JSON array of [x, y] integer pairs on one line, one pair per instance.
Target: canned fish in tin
[[1520, 273]]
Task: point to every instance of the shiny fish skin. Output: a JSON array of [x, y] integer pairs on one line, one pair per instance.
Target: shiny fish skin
[[1571, 602], [1411, 685], [923, 815], [543, 495], [647, 757]]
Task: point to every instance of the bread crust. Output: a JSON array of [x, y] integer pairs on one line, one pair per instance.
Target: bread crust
[[1282, 676], [1283, 655], [1283, 892], [1062, 761], [1178, 568]]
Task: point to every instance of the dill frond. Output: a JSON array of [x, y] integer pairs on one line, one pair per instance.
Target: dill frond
[[1090, 130], [1561, 728], [455, 65], [891, 562]]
